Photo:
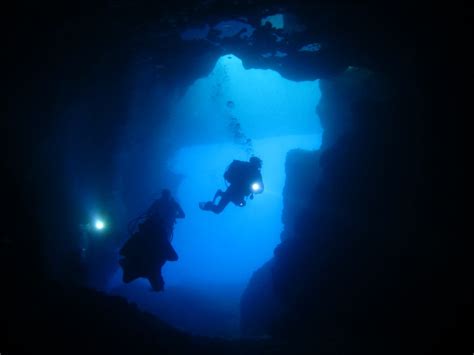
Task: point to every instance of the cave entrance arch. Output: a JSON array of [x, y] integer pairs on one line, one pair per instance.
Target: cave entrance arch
[[233, 113]]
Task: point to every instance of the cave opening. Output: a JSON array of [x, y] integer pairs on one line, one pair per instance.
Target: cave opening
[[104, 110], [233, 113]]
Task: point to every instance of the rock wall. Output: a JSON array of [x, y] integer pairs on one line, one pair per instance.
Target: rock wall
[[303, 196], [365, 266], [258, 304]]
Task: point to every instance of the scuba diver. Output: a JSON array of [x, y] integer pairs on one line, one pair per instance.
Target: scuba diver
[[148, 249], [166, 210], [245, 180]]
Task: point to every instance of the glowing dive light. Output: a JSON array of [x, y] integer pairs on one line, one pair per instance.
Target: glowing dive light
[[256, 187], [99, 225]]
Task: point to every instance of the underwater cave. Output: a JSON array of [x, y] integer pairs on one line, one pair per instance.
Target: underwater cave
[[233, 113], [353, 246]]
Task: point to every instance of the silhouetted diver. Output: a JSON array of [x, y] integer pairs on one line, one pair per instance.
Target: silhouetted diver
[[145, 253], [245, 180]]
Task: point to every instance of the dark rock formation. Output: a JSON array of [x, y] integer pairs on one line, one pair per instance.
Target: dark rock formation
[[40, 316], [362, 266], [259, 306], [338, 95], [361, 282], [302, 173]]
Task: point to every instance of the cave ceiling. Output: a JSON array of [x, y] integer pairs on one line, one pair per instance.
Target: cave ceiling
[[301, 40]]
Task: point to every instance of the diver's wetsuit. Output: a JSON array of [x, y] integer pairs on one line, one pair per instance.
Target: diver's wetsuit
[[165, 211], [145, 253], [237, 191], [233, 194]]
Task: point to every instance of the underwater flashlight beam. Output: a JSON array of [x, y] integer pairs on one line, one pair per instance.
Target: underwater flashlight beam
[[99, 225], [256, 187]]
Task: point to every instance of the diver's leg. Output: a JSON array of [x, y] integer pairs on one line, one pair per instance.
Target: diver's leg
[[126, 276], [156, 283], [160, 276], [219, 193], [156, 280], [209, 205], [224, 201]]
